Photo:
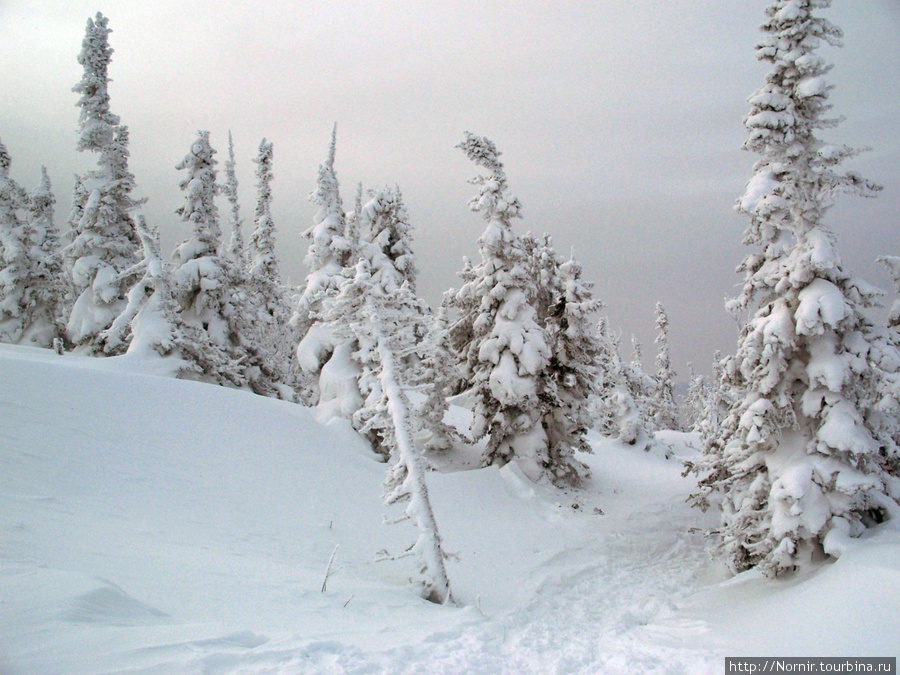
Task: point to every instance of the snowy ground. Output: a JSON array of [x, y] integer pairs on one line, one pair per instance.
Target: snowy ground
[[150, 525]]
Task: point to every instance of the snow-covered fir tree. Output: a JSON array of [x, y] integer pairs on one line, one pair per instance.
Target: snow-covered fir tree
[[383, 227], [205, 280], [150, 316], [352, 227], [264, 330], [617, 413], [437, 379], [104, 241], [544, 264], [886, 358], [641, 385], [694, 399], [373, 312], [460, 331], [715, 405], [385, 242], [571, 380], [804, 449], [563, 305], [236, 247], [663, 410], [32, 285], [384, 249], [329, 253], [508, 350]]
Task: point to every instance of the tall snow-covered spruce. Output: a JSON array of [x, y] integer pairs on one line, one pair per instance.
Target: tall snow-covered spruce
[[804, 448], [572, 378], [384, 243], [204, 279], [618, 415], [264, 321], [664, 410], [508, 350], [329, 253], [236, 247], [104, 239], [377, 317]]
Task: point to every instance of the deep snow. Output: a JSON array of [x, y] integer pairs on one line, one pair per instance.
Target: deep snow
[[163, 526]]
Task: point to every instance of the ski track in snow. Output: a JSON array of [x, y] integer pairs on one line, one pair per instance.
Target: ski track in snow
[[619, 613]]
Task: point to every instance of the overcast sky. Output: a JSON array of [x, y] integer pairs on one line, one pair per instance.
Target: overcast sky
[[619, 123]]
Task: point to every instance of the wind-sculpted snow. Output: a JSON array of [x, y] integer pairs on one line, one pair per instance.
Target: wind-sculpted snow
[[165, 526]]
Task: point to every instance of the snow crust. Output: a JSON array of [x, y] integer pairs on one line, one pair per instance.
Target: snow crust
[[167, 526]]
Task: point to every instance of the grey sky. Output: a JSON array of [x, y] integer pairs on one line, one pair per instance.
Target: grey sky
[[620, 124]]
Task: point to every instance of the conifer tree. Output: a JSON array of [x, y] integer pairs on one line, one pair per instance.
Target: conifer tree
[[151, 298], [204, 280], [544, 265], [385, 251], [236, 243], [31, 281], [641, 386], [373, 312], [663, 409], [104, 240], [264, 319], [152, 320], [438, 375], [617, 413], [508, 351], [694, 399], [571, 379], [892, 264], [721, 397], [329, 253], [460, 331], [804, 451], [886, 359]]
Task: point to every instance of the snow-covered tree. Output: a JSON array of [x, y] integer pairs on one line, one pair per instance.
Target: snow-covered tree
[[571, 380], [265, 331], [641, 386], [886, 358], [406, 478], [236, 249], [694, 398], [150, 316], [544, 265], [437, 378], [460, 331], [663, 409], [104, 241], [384, 251], [328, 255], [384, 228], [385, 242], [508, 351], [374, 313], [804, 449], [32, 285], [617, 413], [204, 280], [152, 320]]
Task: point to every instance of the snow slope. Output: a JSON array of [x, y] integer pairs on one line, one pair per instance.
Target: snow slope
[[155, 525]]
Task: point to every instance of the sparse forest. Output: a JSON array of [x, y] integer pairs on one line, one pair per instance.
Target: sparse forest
[[797, 431]]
